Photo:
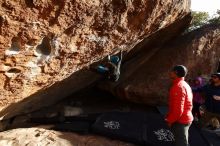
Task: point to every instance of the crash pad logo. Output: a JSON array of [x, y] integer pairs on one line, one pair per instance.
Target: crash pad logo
[[112, 125], [164, 135]]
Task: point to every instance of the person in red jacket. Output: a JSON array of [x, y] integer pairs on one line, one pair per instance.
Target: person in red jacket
[[179, 116]]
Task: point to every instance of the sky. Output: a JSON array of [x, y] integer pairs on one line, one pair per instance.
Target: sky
[[209, 6]]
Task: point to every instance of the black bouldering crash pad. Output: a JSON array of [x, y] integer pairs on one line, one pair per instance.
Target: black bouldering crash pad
[[137, 127]]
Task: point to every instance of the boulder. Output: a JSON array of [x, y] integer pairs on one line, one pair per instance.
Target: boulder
[[46, 45], [145, 79]]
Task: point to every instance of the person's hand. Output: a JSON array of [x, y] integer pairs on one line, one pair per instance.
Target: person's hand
[[202, 110], [216, 97], [169, 125]]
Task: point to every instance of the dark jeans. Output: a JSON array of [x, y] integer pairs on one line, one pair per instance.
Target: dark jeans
[[180, 132], [196, 110]]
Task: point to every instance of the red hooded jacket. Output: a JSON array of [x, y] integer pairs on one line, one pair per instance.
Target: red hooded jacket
[[180, 103]]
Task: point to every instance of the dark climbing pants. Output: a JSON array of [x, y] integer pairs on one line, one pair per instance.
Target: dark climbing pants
[[180, 132]]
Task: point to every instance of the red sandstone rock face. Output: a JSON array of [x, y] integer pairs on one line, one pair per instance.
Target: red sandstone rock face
[[44, 44], [149, 82]]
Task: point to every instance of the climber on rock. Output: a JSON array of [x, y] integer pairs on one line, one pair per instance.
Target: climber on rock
[[111, 68]]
